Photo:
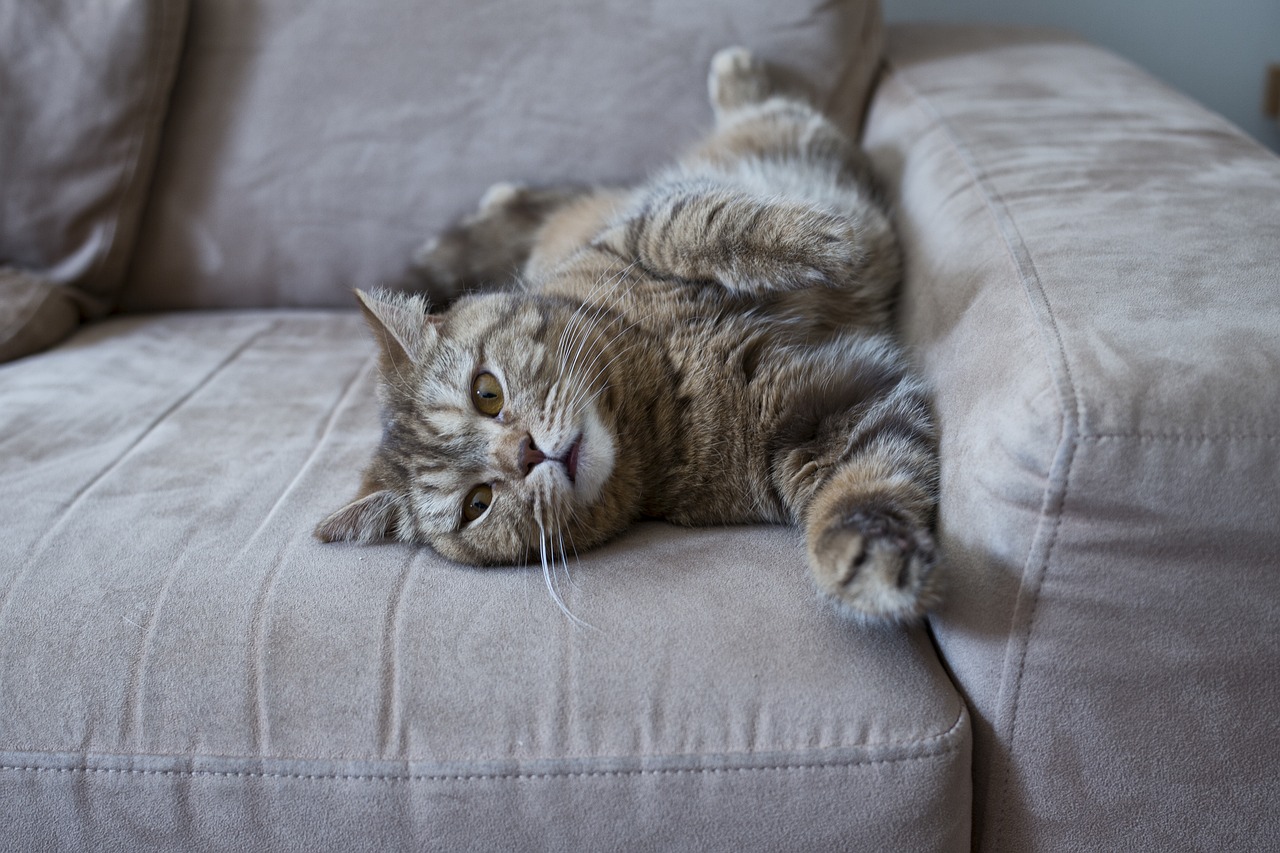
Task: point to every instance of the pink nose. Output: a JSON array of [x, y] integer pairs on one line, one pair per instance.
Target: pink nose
[[530, 455]]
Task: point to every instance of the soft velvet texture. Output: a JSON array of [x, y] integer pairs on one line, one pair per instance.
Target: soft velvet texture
[[1091, 287], [83, 92], [315, 143], [183, 666]]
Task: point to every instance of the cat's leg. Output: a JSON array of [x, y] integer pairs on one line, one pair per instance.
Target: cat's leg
[[491, 246], [863, 484], [776, 199], [765, 114], [700, 230], [739, 80]]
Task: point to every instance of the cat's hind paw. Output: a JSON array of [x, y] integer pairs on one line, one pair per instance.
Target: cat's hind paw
[[738, 79], [874, 566]]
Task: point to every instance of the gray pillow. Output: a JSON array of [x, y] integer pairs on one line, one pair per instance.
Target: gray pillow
[[83, 90]]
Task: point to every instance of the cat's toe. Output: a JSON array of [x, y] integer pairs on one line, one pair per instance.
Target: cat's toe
[[835, 252], [501, 194], [875, 566], [733, 62]]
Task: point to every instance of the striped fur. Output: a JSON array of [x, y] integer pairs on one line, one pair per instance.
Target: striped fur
[[718, 337]]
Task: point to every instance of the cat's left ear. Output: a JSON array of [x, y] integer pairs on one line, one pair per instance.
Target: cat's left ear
[[401, 326], [367, 519]]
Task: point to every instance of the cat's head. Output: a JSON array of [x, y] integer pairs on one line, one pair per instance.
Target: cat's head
[[500, 430]]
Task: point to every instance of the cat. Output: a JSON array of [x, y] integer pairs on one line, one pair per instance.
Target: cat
[[710, 347]]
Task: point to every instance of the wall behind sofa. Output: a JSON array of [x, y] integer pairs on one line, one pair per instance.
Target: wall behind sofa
[[1216, 51]]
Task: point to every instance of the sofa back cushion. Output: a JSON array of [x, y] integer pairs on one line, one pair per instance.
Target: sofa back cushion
[[313, 144], [83, 91]]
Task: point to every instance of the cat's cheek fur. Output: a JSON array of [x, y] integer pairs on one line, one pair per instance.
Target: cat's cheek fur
[[596, 458]]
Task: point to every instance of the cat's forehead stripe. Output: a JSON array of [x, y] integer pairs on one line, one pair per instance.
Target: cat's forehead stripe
[[453, 432]]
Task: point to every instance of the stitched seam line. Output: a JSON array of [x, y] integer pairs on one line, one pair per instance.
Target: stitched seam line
[[939, 747], [1178, 436], [478, 777], [1059, 473], [471, 777]]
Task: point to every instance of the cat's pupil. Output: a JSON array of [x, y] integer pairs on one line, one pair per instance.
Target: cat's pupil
[[478, 500], [486, 394]]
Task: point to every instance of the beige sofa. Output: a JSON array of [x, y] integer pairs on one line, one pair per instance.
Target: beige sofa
[[1093, 288]]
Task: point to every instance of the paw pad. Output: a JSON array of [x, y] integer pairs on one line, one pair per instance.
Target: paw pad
[[873, 564]]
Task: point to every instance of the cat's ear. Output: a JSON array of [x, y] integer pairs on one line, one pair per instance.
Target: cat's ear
[[400, 324], [366, 519]]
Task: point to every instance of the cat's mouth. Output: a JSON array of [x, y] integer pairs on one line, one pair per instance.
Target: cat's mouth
[[571, 461], [588, 459]]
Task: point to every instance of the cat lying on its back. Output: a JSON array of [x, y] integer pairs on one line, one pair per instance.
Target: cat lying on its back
[[710, 347]]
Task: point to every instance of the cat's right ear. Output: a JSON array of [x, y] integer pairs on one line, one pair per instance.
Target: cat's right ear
[[369, 518], [401, 326]]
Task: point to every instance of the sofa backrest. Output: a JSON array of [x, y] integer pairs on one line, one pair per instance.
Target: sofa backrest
[[313, 144]]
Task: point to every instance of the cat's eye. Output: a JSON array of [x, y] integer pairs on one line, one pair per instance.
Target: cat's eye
[[478, 500], [486, 394]]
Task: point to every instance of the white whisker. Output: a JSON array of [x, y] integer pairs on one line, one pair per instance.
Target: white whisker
[[543, 541], [589, 302], [601, 308]]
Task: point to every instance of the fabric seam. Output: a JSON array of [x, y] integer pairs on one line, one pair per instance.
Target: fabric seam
[[475, 777], [1177, 436], [937, 746]]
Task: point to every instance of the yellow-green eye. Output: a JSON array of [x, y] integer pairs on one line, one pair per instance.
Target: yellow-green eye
[[478, 500], [486, 393]]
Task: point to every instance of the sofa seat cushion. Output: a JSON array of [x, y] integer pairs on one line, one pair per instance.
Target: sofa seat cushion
[[182, 665]]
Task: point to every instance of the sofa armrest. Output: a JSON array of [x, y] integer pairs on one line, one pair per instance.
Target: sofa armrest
[[1092, 280]]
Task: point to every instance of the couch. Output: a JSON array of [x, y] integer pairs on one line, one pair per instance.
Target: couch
[[190, 191]]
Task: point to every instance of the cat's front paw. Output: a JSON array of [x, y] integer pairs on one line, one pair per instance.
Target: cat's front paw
[[797, 247], [827, 248], [485, 248], [874, 565]]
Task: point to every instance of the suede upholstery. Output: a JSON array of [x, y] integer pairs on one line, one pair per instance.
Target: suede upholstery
[[1091, 289], [216, 674], [348, 132]]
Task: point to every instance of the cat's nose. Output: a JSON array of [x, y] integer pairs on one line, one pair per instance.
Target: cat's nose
[[530, 455]]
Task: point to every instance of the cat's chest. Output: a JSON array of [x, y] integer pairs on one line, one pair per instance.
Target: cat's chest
[[740, 382], [721, 470]]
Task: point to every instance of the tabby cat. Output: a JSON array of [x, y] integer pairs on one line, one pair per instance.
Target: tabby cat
[[711, 347]]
